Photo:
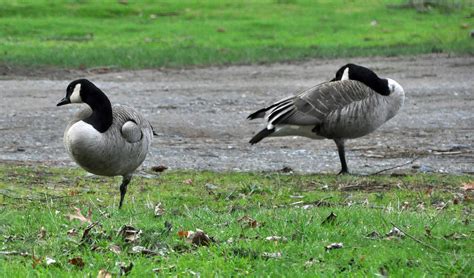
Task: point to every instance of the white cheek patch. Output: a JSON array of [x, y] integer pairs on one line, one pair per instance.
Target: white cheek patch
[[76, 94], [345, 74]]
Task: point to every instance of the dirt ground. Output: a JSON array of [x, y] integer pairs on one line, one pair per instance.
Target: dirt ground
[[200, 115]]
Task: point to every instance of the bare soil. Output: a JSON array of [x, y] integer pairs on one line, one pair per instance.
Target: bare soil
[[200, 115]]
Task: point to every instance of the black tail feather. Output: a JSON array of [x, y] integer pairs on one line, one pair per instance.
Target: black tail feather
[[259, 114], [262, 134]]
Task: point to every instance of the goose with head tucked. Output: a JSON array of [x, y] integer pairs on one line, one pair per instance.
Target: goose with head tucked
[[353, 104], [103, 139]]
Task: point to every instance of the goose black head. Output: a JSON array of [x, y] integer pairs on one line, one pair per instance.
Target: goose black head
[[79, 91], [84, 91], [366, 76]]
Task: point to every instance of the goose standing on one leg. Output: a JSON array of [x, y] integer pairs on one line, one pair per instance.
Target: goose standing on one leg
[[353, 104], [103, 139]]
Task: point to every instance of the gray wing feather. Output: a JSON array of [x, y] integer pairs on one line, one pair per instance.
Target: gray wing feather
[[312, 106], [131, 132]]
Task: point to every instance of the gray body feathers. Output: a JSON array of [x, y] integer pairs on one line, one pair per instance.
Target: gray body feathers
[[119, 150], [339, 109]]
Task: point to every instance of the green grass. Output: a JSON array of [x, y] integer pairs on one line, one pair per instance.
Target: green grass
[[145, 34], [32, 197]]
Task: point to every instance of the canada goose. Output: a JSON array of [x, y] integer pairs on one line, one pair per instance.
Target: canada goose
[[353, 104], [103, 139]]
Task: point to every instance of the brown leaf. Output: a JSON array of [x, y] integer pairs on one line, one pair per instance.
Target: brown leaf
[[330, 219], [42, 233], [159, 210], [79, 216], [220, 30], [104, 274], [115, 248], [184, 233], [332, 246], [87, 230], [188, 181], [77, 261], [159, 168], [36, 261], [373, 235], [129, 233], [199, 238], [468, 186], [248, 222]]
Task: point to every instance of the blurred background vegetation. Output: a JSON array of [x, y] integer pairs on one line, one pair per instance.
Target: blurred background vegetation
[[146, 34]]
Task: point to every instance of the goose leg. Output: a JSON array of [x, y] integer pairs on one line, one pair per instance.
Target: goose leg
[[123, 188], [342, 156]]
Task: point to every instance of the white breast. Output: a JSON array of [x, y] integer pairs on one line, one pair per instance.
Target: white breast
[[83, 137]]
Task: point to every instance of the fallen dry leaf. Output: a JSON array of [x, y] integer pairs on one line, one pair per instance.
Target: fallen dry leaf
[[277, 238], [268, 255], [143, 250], [42, 233], [87, 230], [332, 246], [199, 238], [420, 206], [77, 261], [394, 233], [247, 221], [373, 235], [440, 205], [104, 274], [159, 210], [188, 181], [184, 233], [115, 249], [129, 233], [405, 205], [468, 186], [79, 216], [72, 232], [36, 261], [330, 219], [50, 261], [159, 168]]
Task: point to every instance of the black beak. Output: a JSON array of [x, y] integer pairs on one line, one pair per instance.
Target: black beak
[[334, 79], [63, 101]]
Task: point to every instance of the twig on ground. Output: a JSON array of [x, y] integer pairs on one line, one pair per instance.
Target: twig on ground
[[414, 238], [394, 167]]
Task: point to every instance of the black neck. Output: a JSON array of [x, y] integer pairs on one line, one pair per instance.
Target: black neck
[[366, 76], [379, 85], [101, 118]]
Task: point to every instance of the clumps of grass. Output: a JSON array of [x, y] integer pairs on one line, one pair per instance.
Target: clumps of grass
[[229, 224]]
